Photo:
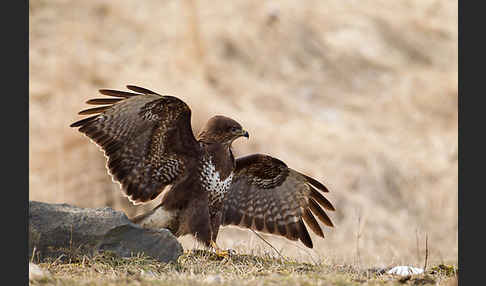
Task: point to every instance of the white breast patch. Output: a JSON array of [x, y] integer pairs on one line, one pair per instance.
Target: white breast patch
[[213, 184]]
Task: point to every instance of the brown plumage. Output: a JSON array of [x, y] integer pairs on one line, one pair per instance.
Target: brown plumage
[[267, 196], [151, 151]]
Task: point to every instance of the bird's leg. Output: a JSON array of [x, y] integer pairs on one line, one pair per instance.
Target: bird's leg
[[215, 221], [220, 252]]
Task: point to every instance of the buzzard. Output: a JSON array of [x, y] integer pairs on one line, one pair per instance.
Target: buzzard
[[151, 150]]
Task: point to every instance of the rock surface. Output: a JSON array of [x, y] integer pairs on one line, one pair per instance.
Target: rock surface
[[55, 228], [35, 272]]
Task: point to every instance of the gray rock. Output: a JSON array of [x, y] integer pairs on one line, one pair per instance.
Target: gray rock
[[56, 228]]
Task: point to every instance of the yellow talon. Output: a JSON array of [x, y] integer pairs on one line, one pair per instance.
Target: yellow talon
[[220, 252]]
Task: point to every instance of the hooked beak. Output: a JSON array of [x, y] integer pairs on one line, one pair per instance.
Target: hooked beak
[[244, 133]]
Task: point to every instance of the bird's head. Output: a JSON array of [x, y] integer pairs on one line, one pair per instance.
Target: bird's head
[[221, 129]]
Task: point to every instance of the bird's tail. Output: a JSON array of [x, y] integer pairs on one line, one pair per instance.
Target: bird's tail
[[157, 218]]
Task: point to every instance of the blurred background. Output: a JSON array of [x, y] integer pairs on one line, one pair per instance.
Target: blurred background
[[361, 95]]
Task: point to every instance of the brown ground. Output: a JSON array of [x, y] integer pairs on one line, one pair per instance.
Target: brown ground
[[197, 267], [361, 95]]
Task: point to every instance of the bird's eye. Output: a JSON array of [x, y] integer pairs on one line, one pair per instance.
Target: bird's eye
[[234, 129]]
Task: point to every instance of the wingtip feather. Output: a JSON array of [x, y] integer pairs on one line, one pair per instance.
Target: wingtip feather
[[140, 89], [304, 235], [316, 195], [312, 222], [94, 110], [101, 101], [316, 184], [82, 122], [117, 93], [320, 213]]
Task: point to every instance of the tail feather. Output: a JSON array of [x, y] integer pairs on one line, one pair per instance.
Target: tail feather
[[157, 218], [139, 219]]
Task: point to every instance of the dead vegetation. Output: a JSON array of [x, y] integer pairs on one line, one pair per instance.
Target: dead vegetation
[[200, 267], [361, 95]]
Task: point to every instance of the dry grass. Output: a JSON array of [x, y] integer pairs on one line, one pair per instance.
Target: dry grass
[[361, 95], [204, 268]]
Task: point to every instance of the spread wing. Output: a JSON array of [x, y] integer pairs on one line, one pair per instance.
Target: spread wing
[[267, 196], [146, 137]]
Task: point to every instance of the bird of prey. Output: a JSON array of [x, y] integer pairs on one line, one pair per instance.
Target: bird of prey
[[151, 150]]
